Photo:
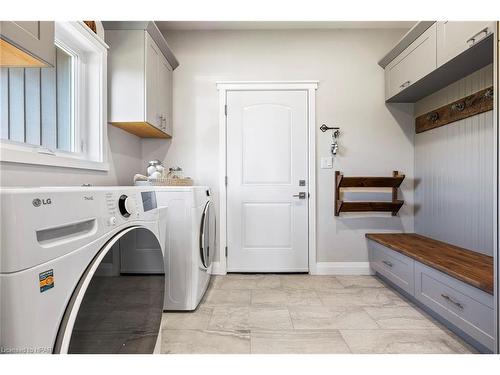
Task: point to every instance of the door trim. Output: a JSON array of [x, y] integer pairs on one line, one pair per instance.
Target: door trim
[[220, 267]]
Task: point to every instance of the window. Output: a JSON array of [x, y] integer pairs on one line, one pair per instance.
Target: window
[[56, 116], [40, 109]]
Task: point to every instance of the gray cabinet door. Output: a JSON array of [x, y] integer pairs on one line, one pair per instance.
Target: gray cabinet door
[[454, 37], [466, 307], [414, 63], [34, 37], [392, 265]]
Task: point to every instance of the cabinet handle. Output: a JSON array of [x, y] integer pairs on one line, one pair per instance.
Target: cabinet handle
[[449, 299], [404, 84], [473, 40], [387, 263]]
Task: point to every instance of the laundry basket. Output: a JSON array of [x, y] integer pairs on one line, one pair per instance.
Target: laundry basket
[[171, 181]]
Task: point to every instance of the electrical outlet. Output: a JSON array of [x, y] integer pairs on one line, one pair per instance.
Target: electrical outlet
[[327, 162]]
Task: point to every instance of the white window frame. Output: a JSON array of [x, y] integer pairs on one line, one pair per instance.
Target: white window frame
[[90, 110]]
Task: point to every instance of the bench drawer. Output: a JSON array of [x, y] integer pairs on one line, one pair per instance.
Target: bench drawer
[[468, 308], [396, 267]]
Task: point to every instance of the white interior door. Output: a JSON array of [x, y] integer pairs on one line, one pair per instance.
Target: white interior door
[[267, 158]]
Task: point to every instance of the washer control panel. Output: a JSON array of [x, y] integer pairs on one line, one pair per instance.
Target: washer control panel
[[121, 206], [126, 205]]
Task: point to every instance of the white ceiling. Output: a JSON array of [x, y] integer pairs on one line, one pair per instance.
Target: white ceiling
[[268, 25]]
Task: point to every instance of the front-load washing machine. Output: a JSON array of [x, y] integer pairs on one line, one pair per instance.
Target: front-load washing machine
[[64, 282], [190, 243]]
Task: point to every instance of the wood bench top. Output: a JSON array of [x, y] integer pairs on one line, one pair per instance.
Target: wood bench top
[[465, 265]]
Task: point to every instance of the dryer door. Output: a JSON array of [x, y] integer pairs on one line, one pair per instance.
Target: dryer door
[[111, 311], [205, 237]]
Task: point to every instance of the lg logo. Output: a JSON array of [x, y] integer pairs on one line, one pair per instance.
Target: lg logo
[[38, 202]]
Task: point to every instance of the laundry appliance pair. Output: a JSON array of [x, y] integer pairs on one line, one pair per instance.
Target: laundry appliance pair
[[91, 269]]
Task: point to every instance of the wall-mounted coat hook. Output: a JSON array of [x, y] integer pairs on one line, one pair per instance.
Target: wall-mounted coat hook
[[324, 128], [336, 132]]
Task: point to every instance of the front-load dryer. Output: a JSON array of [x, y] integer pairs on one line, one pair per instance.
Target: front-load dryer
[[62, 285], [190, 239]]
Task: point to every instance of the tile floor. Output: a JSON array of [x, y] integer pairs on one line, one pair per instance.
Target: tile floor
[[304, 314]]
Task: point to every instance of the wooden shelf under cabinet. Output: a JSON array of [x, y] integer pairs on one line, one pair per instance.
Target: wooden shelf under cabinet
[[141, 129], [368, 182]]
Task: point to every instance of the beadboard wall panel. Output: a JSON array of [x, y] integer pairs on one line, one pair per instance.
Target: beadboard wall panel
[[455, 171]]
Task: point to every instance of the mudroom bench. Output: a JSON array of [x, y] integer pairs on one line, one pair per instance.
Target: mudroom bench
[[453, 284]]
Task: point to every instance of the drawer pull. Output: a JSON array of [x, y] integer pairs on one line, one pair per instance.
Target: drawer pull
[[472, 40], [449, 299], [387, 263], [404, 84]]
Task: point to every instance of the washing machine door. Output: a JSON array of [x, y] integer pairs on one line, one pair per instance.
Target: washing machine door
[[111, 312], [205, 237]]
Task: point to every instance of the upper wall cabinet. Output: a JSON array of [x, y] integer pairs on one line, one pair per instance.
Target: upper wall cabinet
[[455, 37], [415, 62], [434, 54], [26, 44], [139, 79], [158, 76]]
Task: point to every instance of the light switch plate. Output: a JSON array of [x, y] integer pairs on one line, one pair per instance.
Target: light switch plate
[[327, 162]]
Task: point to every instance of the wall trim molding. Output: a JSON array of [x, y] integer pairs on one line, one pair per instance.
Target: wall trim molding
[[343, 268]]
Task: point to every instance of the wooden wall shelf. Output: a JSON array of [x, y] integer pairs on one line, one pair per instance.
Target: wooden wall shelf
[[361, 182], [368, 182], [369, 206], [141, 129]]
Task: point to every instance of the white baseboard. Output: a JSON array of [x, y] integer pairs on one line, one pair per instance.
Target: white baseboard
[[343, 268], [218, 268], [321, 268]]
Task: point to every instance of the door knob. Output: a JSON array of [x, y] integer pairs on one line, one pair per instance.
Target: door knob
[[301, 195]]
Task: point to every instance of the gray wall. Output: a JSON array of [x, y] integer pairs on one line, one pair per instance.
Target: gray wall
[[375, 139], [455, 171]]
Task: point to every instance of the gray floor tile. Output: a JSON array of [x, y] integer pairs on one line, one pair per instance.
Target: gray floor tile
[[402, 341], [230, 318], [360, 281], [197, 319], [205, 342], [218, 297], [269, 317], [269, 297], [298, 342], [297, 282], [311, 317], [285, 297], [246, 282], [400, 317], [303, 298], [321, 283], [361, 297]]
